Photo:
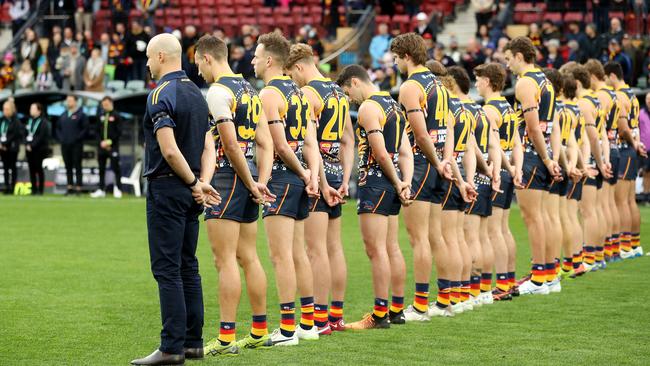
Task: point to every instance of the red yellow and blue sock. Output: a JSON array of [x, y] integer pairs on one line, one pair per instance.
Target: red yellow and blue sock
[[502, 282], [550, 271], [306, 312], [421, 299], [616, 244], [397, 304], [320, 315], [599, 254], [589, 255], [226, 333], [259, 328], [336, 311], [455, 292], [511, 280], [486, 282], [538, 274], [608, 246], [380, 309], [635, 240], [444, 293], [475, 285], [567, 264], [288, 319], [626, 244], [464, 291], [576, 260]]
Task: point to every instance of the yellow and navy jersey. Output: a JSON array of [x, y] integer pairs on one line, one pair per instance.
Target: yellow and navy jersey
[[480, 126], [507, 122], [633, 115], [392, 126], [295, 117], [611, 115], [331, 119], [572, 111], [246, 109], [462, 128], [600, 119], [565, 121], [545, 96], [435, 107]]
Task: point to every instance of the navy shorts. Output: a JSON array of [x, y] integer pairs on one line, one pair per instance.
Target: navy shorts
[[628, 164], [560, 188], [535, 174], [504, 200], [291, 200], [615, 160], [236, 200], [453, 201], [575, 190], [424, 182], [377, 200], [319, 204], [483, 204]]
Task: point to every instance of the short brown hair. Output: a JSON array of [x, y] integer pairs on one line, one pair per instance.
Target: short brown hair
[[213, 46], [277, 45], [352, 71], [569, 86], [436, 68], [524, 46], [411, 44], [299, 52], [495, 73], [580, 73], [595, 68], [460, 77], [555, 78]]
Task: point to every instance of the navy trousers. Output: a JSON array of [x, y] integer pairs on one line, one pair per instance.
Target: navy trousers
[[173, 229]]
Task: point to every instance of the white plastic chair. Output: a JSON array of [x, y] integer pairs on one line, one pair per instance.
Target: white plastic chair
[[134, 178]]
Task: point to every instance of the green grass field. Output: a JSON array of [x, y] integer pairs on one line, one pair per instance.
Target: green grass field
[[75, 289]]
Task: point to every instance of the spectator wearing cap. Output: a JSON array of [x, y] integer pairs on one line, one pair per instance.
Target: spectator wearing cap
[[553, 59], [616, 54], [440, 55], [423, 26], [379, 44]]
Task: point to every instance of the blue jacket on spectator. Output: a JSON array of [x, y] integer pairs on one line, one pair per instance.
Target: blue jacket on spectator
[[378, 47]]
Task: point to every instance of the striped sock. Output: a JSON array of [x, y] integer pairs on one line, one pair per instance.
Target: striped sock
[[380, 309], [464, 291], [397, 304], [589, 255], [538, 276], [616, 244], [511, 280], [636, 240], [502, 282], [550, 272], [626, 245], [288, 320], [557, 266], [444, 289], [421, 300], [226, 333], [599, 255], [320, 315], [259, 328], [608, 246], [306, 312], [475, 285], [455, 292], [576, 260], [567, 264], [336, 311], [486, 282]]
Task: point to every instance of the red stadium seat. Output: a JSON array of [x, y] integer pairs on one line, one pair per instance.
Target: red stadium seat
[[171, 13], [102, 14], [403, 22], [554, 17], [242, 2], [225, 11], [245, 11], [188, 3], [573, 16], [264, 11]]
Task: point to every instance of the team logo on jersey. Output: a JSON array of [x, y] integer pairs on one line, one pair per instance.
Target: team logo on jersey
[[365, 205]]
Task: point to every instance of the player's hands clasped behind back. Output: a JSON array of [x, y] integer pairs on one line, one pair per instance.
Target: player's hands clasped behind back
[[205, 194]]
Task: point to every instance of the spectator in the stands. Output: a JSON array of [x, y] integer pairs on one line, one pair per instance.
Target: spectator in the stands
[[440, 55], [45, 78], [7, 71], [593, 47], [315, 43], [412, 7], [10, 140], [381, 80], [68, 36], [19, 12], [148, 9], [240, 64], [483, 35], [84, 47], [37, 141], [94, 73], [534, 35], [29, 48], [616, 54], [646, 69], [120, 10], [574, 33], [553, 58], [120, 29], [136, 49], [105, 46], [550, 31], [83, 16], [249, 47], [575, 53], [379, 44], [499, 55], [423, 26], [615, 30], [483, 10], [454, 51], [219, 33], [25, 77], [117, 57], [74, 70], [641, 14], [473, 56], [636, 58], [71, 130], [601, 14]]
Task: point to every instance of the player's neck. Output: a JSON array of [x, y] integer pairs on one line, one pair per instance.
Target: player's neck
[[368, 89], [272, 73], [312, 73], [220, 69], [581, 92], [461, 95], [168, 68], [411, 68], [618, 84], [527, 67], [597, 84], [491, 95]]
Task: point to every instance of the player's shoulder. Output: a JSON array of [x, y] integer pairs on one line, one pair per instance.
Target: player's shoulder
[[162, 95]]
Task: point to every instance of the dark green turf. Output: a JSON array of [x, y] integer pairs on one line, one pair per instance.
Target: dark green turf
[[75, 289]]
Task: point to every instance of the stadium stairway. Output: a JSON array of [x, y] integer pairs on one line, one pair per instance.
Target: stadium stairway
[[463, 27]]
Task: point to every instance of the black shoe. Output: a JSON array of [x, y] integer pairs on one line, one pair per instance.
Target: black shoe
[[193, 353], [397, 318], [160, 358], [382, 323]]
